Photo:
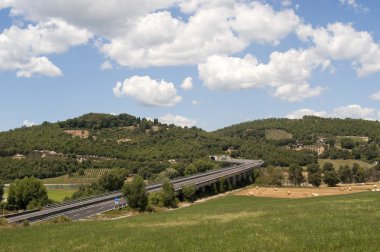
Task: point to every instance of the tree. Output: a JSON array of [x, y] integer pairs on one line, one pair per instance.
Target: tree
[[358, 173], [315, 179], [314, 174], [328, 167], [112, 181], [345, 174], [190, 169], [135, 193], [27, 193], [188, 192], [295, 174], [347, 143], [167, 195], [331, 178]]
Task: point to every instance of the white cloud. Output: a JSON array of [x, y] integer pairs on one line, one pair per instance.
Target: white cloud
[[350, 111], [27, 123], [375, 96], [300, 113], [173, 41], [195, 102], [104, 17], [148, 92], [107, 65], [178, 120], [353, 4], [353, 111], [23, 49], [285, 75], [187, 83], [342, 42]]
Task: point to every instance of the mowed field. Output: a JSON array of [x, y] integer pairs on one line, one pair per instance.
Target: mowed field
[[231, 223]]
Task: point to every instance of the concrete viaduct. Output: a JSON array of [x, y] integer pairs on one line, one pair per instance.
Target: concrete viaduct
[[239, 169]]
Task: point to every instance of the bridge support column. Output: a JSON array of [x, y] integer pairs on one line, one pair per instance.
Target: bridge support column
[[203, 189], [233, 181]]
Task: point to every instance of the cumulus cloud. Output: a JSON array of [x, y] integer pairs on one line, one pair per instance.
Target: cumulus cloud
[[23, 49], [195, 102], [375, 96], [148, 92], [285, 75], [27, 123], [173, 41], [187, 83], [106, 65], [342, 42], [350, 111], [300, 113], [178, 120]]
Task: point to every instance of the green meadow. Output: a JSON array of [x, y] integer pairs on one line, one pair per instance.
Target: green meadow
[[233, 223]]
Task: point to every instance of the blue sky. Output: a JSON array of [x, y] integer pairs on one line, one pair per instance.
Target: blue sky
[[243, 60]]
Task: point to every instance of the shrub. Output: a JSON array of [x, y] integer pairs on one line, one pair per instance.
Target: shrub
[[188, 192]]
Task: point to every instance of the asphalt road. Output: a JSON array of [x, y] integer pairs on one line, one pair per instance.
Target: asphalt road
[[87, 208]]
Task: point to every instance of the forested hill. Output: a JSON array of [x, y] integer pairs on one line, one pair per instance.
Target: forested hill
[[151, 148], [308, 128]]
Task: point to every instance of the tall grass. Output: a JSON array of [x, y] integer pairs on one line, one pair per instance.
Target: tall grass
[[233, 223]]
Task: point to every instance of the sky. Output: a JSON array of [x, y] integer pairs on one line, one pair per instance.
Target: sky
[[204, 63]]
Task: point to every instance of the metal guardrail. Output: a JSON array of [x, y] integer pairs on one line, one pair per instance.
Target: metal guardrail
[[75, 204]]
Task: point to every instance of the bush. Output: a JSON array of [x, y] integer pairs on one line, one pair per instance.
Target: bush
[[25, 223], [331, 178], [188, 192], [168, 198], [136, 194], [27, 193]]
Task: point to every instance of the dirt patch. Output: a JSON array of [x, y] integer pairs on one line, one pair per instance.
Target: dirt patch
[[304, 192], [78, 133]]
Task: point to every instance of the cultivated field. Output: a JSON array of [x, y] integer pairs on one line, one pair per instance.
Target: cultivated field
[[275, 134], [60, 194], [232, 223]]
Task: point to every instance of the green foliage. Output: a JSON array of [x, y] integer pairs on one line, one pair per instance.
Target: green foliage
[[167, 196], [113, 180], [328, 167], [269, 176], [27, 193], [331, 178], [314, 174], [25, 223], [358, 173], [188, 192], [136, 194], [347, 143], [88, 190], [295, 174], [315, 179], [345, 174]]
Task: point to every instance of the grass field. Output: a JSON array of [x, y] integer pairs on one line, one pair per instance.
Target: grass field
[[232, 223], [338, 162], [60, 194]]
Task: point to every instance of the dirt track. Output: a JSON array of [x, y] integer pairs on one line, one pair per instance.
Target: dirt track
[[304, 192]]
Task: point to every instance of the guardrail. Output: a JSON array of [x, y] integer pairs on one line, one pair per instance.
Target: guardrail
[[56, 209]]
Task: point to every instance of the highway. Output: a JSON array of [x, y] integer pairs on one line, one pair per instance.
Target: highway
[[89, 207]]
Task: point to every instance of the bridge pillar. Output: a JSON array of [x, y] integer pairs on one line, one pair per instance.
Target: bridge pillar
[[233, 181], [203, 189]]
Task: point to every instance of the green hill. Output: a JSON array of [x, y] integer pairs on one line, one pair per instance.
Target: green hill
[[103, 141]]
